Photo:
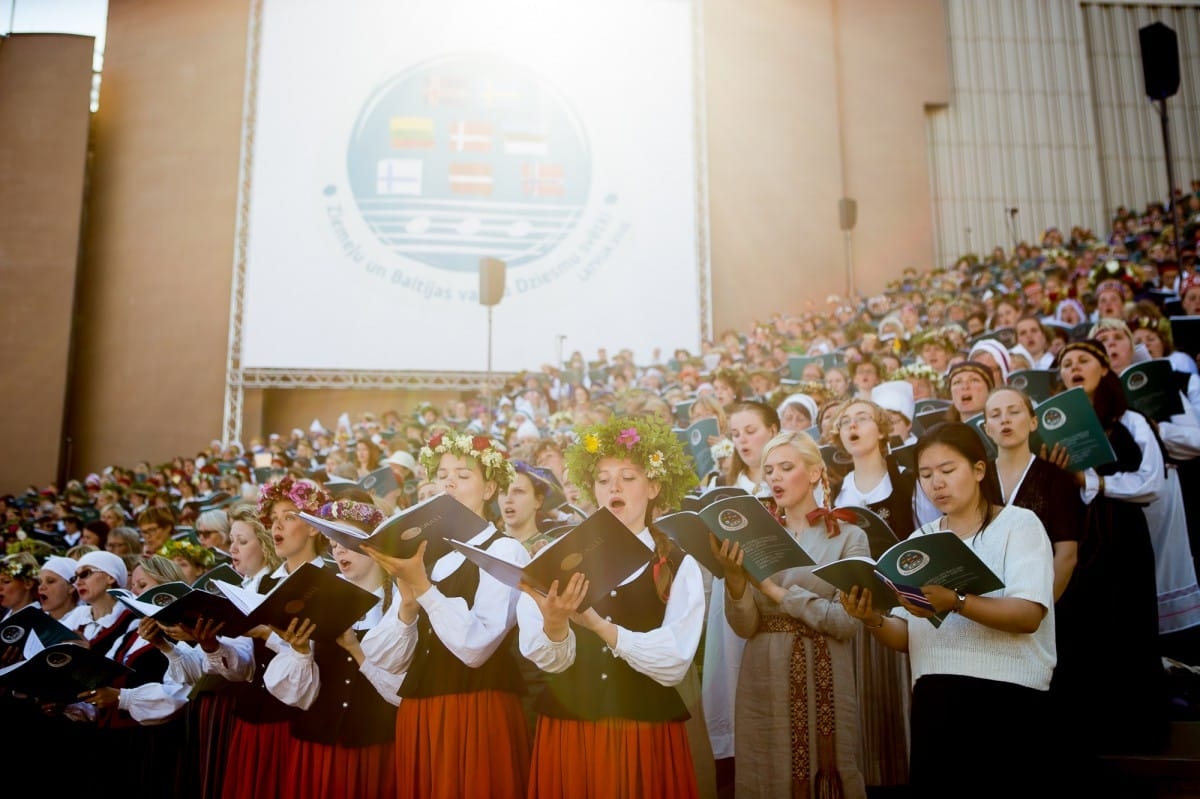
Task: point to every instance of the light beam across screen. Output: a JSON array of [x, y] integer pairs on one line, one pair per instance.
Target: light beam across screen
[[394, 144]]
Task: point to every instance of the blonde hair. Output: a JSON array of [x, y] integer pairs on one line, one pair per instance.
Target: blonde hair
[[810, 454]]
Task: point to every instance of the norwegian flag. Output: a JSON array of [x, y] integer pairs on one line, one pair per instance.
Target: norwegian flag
[[543, 180], [398, 176], [470, 178], [470, 137], [442, 90]]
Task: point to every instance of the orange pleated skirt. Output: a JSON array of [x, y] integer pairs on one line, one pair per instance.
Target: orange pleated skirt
[[611, 758], [462, 745], [257, 756], [324, 771]]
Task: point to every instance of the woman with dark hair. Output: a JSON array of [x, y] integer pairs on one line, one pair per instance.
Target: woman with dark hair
[[611, 721], [992, 656], [1114, 585], [751, 425]]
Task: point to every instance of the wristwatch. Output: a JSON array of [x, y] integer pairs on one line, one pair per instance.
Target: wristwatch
[[962, 600]]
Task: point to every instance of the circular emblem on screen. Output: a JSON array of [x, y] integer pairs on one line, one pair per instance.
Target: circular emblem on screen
[[56, 660], [162, 600], [910, 561], [731, 520], [571, 562], [1053, 419], [1020, 381], [469, 156], [11, 634], [1137, 381], [293, 607], [695, 437]]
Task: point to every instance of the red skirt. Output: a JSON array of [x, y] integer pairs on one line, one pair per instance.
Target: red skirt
[[324, 771], [462, 745], [257, 757], [612, 757]]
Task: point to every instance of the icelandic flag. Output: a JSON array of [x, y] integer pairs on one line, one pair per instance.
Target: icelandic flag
[[411, 132], [398, 176], [543, 180], [470, 178], [470, 137]]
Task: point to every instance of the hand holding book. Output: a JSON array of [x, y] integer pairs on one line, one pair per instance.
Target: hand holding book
[[559, 605], [410, 571]]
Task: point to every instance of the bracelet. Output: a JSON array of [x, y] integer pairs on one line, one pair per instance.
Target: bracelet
[[875, 626]]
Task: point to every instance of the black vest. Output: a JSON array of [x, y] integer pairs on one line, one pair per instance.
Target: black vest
[[436, 671], [348, 710], [252, 702], [600, 685]]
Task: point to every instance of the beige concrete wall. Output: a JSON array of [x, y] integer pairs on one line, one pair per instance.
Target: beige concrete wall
[[775, 71], [45, 81], [161, 234], [155, 292]]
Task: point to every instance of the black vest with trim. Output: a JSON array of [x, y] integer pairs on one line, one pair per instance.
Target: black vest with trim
[[252, 702], [348, 711], [598, 684], [436, 671]]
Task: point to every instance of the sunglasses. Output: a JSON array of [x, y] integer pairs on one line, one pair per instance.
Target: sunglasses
[[82, 574]]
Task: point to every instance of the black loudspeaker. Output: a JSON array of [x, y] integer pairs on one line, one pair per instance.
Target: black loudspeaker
[[491, 281], [1160, 60], [847, 213]]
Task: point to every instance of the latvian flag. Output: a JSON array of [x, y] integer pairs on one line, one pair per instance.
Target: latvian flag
[[398, 176], [411, 133], [471, 178], [543, 180], [525, 142], [443, 90], [470, 137]]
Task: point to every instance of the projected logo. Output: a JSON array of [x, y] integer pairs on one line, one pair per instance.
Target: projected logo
[[468, 156]]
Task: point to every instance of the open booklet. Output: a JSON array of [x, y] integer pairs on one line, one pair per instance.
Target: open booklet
[[435, 520], [1152, 388], [880, 536], [769, 548], [311, 592], [32, 629], [935, 559], [601, 547], [179, 603], [695, 442], [1069, 419], [59, 673]]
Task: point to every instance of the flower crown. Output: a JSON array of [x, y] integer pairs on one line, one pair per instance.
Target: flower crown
[[20, 568], [560, 419], [197, 554], [349, 511], [644, 440], [489, 453], [304, 494], [920, 371]]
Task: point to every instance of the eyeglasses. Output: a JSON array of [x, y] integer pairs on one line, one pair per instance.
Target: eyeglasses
[[82, 574], [859, 419]]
